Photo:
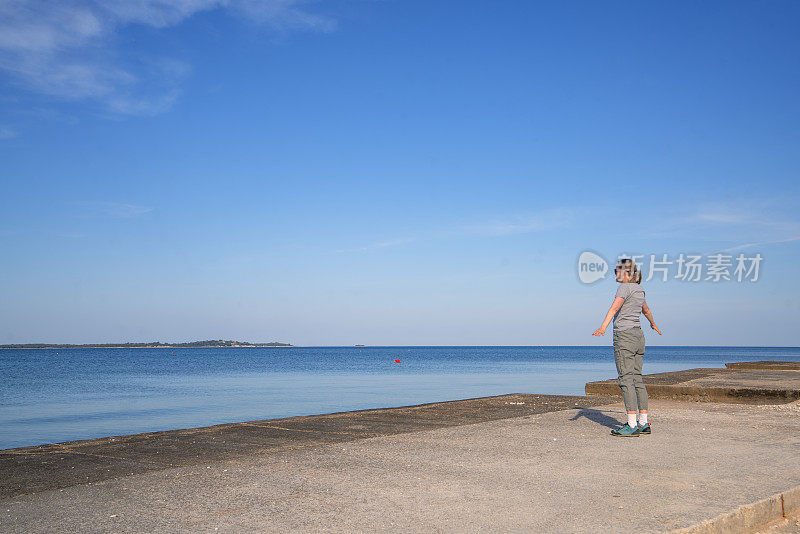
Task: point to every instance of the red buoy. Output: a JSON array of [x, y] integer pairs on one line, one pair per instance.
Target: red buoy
[[397, 361]]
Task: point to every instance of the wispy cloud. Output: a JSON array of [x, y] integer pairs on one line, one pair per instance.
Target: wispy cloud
[[67, 48], [282, 15], [719, 217], [70, 235], [751, 245], [113, 210], [6, 132], [756, 222], [500, 226], [378, 245], [754, 217], [521, 224]]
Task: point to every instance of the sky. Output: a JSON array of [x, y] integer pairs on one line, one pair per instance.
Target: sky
[[389, 172]]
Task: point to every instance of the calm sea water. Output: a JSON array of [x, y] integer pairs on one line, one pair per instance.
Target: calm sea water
[[50, 395]]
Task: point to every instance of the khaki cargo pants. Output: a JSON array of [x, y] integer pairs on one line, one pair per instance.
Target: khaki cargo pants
[[629, 357]]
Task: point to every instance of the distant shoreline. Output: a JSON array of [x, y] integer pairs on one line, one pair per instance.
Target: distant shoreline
[[65, 347], [209, 344], [288, 345]]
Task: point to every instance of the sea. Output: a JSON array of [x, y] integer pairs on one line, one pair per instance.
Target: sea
[[56, 395]]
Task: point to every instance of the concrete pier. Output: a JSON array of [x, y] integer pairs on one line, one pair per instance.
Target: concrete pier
[[745, 383]]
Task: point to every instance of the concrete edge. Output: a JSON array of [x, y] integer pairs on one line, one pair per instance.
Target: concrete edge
[[749, 517], [765, 364], [730, 395], [119, 437]]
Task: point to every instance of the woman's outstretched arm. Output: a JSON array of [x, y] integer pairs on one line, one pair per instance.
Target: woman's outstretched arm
[[647, 313], [612, 311]]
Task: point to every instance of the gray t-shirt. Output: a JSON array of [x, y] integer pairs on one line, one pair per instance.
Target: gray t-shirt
[[628, 315]]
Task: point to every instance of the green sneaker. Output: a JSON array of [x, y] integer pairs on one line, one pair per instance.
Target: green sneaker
[[626, 431], [644, 429]]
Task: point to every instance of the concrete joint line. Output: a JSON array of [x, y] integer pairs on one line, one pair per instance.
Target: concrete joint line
[[749, 517], [67, 450], [307, 430], [107, 456]]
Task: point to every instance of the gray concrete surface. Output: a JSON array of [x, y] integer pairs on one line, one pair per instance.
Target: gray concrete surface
[[61, 465], [549, 472]]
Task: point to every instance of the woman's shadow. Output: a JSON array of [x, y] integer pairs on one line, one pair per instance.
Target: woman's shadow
[[597, 416]]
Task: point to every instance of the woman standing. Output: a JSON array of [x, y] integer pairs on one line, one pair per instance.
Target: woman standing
[[629, 345]]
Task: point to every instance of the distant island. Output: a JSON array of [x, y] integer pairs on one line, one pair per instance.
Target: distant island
[[152, 345]]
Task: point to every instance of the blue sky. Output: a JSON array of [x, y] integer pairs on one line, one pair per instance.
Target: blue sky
[[392, 172]]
